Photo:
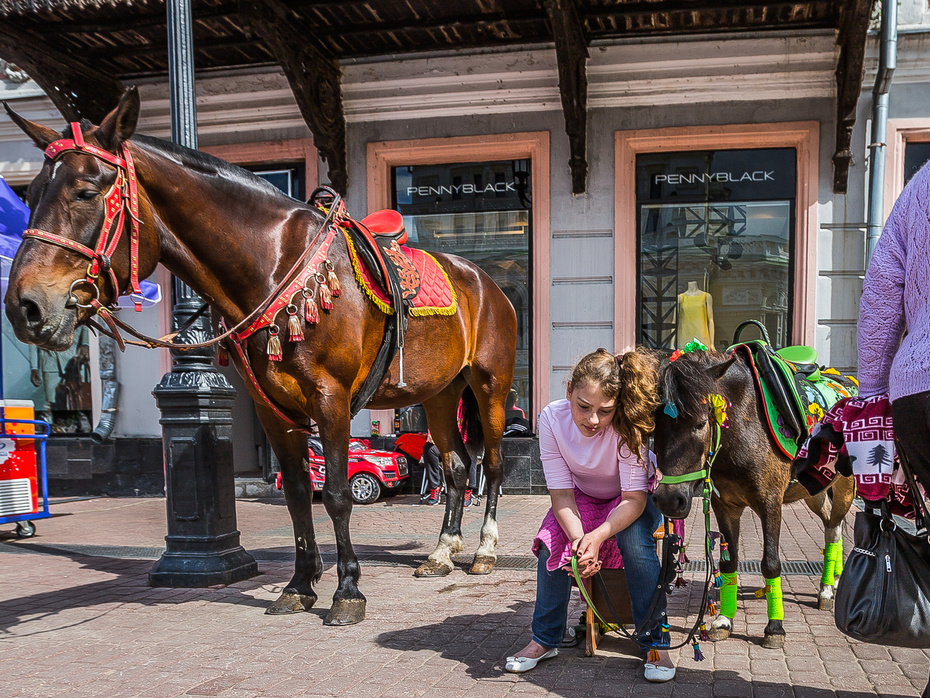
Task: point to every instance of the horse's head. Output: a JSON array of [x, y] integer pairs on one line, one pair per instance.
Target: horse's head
[[54, 280], [685, 426]]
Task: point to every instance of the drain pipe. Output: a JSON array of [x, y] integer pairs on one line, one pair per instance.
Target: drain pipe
[[887, 61], [110, 391]]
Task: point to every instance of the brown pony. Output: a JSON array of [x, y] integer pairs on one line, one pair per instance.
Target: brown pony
[[232, 237], [747, 471]]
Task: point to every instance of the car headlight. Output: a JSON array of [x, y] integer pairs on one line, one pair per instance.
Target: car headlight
[[381, 461], [402, 466]]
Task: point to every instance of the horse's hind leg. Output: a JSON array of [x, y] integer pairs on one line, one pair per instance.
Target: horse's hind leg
[[291, 449], [728, 519], [831, 506], [491, 393], [441, 416]]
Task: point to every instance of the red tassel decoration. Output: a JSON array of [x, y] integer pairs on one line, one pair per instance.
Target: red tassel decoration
[[326, 297], [295, 332], [311, 312], [222, 355], [332, 280], [705, 637], [274, 345], [680, 582]]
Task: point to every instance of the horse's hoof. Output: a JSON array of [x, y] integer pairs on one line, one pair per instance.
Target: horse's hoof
[[718, 634], [431, 568], [346, 612], [773, 642], [483, 564], [289, 603], [825, 604]]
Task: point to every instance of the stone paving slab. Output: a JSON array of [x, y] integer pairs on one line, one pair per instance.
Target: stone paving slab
[[74, 624]]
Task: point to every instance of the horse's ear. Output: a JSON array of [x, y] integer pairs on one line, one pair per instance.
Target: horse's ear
[[717, 371], [40, 135], [120, 124]]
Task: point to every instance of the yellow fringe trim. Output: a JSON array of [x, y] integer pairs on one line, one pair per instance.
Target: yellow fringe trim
[[384, 307]]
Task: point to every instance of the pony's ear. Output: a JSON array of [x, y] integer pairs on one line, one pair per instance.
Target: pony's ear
[[717, 371], [120, 124], [40, 135]]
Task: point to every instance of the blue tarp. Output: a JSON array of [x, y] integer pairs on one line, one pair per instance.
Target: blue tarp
[[14, 217]]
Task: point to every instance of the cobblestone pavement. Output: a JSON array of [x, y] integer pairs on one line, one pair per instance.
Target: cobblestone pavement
[[77, 617]]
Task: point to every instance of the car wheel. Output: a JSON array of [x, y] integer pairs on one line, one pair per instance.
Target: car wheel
[[365, 488]]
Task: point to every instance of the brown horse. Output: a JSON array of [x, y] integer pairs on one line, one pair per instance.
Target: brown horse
[[232, 237], [747, 470]]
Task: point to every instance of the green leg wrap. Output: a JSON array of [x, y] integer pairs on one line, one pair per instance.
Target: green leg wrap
[[728, 595], [776, 608], [832, 563]]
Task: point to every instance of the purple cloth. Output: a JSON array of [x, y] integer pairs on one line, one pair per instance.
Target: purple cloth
[[593, 513], [896, 298]]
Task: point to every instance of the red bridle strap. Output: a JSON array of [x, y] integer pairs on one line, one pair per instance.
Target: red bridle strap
[[121, 201]]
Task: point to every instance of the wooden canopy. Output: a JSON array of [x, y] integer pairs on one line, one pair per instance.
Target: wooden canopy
[[81, 52]]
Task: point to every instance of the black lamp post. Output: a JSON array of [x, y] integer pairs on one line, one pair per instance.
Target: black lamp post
[[195, 401]]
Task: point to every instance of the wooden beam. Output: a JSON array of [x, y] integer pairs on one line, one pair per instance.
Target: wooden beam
[[853, 28], [77, 90], [314, 77], [571, 50]]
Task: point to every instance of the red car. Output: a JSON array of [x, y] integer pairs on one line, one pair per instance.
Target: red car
[[371, 471]]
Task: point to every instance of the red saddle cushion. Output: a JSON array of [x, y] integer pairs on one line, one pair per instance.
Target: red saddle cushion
[[386, 222]]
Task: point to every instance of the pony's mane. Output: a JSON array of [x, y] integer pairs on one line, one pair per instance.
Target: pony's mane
[[207, 164], [687, 383]]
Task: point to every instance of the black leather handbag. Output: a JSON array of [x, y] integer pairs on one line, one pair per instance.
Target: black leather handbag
[[883, 596]]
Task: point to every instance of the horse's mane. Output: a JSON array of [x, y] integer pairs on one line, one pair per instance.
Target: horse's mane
[[207, 164], [687, 383]]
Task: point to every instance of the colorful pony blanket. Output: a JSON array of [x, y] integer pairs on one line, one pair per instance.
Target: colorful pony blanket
[[593, 513], [435, 295], [855, 437]]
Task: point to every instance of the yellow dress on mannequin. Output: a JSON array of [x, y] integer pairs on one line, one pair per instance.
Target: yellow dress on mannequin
[[695, 317]]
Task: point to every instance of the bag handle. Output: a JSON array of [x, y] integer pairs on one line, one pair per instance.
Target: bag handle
[[921, 516]]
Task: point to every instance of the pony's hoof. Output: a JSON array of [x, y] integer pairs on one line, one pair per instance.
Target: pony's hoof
[[720, 629], [289, 603], [483, 564], [825, 604], [773, 642], [346, 612], [431, 568]]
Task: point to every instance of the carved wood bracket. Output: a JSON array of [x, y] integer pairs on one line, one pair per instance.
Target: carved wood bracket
[[854, 26], [76, 89], [571, 49], [314, 77]]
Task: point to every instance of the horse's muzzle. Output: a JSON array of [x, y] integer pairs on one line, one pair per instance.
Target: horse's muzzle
[[34, 322], [674, 501]]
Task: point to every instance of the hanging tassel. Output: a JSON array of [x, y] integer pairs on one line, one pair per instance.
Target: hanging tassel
[[713, 536], [222, 355], [311, 311], [705, 636], [680, 581], [332, 280], [724, 552], [682, 556], [326, 297], [274, 345], [718, 580], [698, 657], [711, 608], [295, 333], [653, 656]]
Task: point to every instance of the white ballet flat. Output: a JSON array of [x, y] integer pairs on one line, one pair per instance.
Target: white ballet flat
[[518, 665], [658, 674]]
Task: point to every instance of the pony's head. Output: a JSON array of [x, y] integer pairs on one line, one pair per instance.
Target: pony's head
[[51, 287], [683, 431]]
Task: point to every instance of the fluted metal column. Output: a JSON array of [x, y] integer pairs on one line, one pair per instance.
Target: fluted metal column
[[195, 400]]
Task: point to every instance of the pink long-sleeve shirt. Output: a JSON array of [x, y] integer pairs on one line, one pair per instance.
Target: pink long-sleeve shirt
[[896, 299], [593, 464]]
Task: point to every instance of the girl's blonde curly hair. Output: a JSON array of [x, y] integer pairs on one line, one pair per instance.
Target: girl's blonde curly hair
[[631, 379]]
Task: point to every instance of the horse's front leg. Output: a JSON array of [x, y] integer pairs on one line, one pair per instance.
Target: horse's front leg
[[831, 506], [333, 421], [728, 518], [291, 450], [771, 573]]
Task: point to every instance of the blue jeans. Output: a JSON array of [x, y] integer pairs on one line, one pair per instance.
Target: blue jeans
[[641, 565]]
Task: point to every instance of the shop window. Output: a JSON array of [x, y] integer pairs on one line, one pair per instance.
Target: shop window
[[482, 212], [715, 234], [916, 155]]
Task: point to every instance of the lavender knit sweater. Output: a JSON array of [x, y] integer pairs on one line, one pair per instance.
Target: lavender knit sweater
[[896, 299]]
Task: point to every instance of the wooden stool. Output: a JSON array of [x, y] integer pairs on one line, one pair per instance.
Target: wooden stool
[[615, 581]]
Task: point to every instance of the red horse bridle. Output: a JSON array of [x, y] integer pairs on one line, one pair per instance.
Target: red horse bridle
[[121, 203]]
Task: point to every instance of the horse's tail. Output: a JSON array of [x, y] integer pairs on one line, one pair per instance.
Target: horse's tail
[[470, 421]]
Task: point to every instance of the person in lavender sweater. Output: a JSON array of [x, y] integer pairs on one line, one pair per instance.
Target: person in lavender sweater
[[894, 322], [597, 468]]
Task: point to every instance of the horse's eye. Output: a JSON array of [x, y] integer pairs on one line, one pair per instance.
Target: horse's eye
[[701, 424], [85, 194]]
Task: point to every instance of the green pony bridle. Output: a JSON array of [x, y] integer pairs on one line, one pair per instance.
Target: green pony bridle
[[720, 422]]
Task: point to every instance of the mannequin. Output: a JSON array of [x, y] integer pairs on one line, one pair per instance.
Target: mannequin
[[695, 316]]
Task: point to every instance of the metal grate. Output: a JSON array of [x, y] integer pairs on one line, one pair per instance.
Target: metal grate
[[807, 568], [15, 497]]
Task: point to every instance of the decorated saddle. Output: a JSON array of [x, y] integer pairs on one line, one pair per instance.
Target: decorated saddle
[[795, 391]]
